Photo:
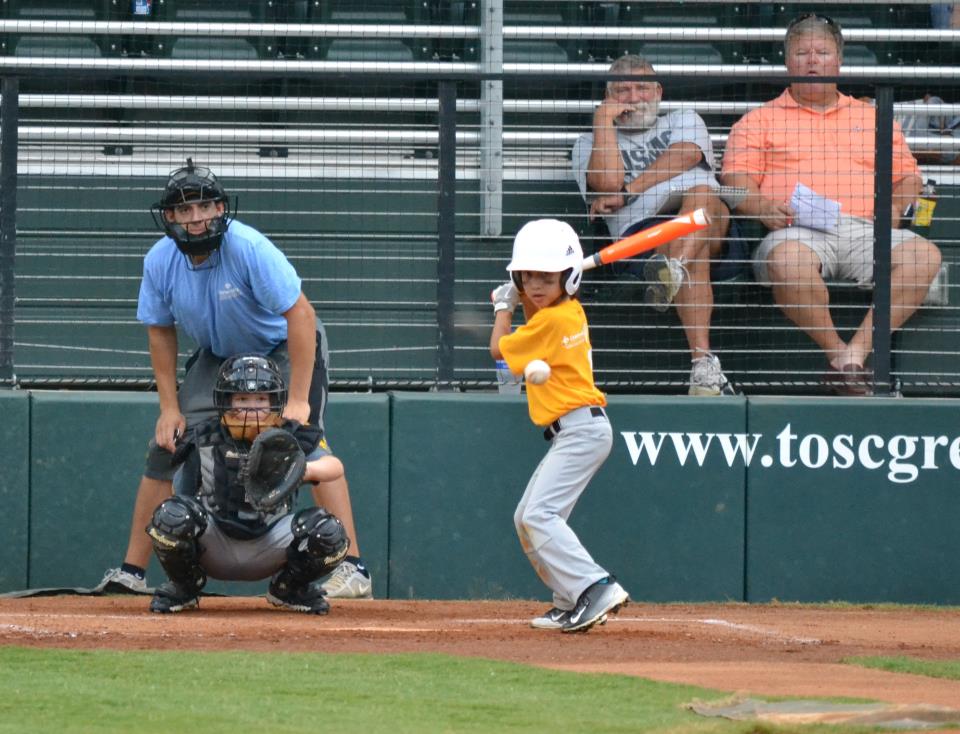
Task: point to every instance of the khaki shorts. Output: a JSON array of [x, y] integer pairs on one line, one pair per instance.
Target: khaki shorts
[[846, 255]]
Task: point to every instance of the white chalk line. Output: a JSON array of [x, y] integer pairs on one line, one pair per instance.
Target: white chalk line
[[475, 622]]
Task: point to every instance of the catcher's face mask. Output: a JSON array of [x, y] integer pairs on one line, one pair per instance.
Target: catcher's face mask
[[249, 414], [197, 236]]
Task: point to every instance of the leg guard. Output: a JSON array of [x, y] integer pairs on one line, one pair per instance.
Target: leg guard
[[174, 529], [319, 544]]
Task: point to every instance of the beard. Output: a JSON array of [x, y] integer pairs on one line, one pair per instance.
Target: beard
[[642, 117]]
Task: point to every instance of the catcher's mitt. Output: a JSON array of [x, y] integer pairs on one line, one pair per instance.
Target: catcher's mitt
[[274, 468]]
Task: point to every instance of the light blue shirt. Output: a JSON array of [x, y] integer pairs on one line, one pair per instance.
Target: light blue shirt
[[235, 307]]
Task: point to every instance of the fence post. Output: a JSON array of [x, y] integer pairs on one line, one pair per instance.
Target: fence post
[[491, 120], [9, 119], [446, 228], [882, 222]]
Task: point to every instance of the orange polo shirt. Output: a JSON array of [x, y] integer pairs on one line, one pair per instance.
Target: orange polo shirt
[[559, 336], [831, 151]]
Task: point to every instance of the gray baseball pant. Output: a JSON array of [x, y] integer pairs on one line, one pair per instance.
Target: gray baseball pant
[[581, 442]]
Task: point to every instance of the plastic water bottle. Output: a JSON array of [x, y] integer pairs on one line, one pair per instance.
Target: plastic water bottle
[[926, 203], [507, 382]]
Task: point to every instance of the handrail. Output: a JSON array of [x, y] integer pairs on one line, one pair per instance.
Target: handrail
[[386, 104], [438, 69], [112, 134], [421, 30]]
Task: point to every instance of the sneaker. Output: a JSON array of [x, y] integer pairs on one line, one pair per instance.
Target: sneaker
[[308, 598], [707, 378], [604, 597], [666, 275], [171, 597], [347, 582], [554, 618], [118, 581]]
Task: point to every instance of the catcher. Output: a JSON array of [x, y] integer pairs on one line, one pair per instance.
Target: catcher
[[231, 516]]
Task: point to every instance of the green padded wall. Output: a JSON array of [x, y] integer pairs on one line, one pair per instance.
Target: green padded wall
[[460, 464], [879, 530], [86, 458], [14, 489]]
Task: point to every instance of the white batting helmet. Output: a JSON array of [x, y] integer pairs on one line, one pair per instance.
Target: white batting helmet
[[548, 246]]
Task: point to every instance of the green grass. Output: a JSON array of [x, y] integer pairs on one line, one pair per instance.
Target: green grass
[[66, 691], [932, 668]]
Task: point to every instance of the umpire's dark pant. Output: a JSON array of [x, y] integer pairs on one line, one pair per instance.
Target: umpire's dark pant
[[195, 395]]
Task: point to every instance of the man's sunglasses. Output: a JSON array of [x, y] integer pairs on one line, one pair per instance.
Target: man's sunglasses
[[825, 19]]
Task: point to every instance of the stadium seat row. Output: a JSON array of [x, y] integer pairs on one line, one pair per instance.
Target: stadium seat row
[[565, 13]]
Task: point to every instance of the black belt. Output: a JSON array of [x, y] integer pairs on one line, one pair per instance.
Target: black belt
[[554, 428]]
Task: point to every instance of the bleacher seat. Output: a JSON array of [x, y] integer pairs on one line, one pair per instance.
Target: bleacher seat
[[209, 47], [561, 13], [369, 13], [689, 17], [518, 13], [70, 45]]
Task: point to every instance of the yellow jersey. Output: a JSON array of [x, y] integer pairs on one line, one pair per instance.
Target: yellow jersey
[[560, 337]]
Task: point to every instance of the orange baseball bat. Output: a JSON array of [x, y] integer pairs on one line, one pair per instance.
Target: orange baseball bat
[[647, 239]]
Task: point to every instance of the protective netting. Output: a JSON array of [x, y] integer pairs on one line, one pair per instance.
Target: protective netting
[[327, 121]]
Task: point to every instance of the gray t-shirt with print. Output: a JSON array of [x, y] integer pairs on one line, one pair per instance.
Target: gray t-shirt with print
[[639, 150]]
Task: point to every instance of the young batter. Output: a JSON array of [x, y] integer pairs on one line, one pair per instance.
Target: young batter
[[545, 272]]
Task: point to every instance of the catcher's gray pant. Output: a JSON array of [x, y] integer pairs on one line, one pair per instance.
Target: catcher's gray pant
[[195, 394], [229, 559], [581, 442]]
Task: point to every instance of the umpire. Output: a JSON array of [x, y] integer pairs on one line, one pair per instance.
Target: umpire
[[231, 291]]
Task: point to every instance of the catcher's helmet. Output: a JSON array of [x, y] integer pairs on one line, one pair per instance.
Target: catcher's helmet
[[548, 246], [193, 184], [247, 375]]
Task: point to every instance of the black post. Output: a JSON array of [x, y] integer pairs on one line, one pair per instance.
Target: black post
[[446, 228], [9, 119], [883, 218]]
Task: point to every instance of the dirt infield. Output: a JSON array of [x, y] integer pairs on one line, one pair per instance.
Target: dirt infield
[[751, 649]]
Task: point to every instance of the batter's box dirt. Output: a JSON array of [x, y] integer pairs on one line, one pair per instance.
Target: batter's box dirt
[[762, 650]]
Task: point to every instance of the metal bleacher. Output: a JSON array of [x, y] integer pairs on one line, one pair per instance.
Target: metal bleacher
[[322, 116]]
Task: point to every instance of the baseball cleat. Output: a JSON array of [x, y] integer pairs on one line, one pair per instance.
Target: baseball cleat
[[170, 597], [600, 599], [554, 619], [307, 598]]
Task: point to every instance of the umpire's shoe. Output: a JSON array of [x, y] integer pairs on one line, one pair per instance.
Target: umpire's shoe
[[604, 597], [171, 597], [308, 598]]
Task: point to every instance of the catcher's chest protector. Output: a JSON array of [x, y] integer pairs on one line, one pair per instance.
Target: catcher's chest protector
[[223, 494]]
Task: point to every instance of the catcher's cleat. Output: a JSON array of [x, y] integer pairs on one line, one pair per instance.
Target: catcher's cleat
[[348, 582], [307, 598], [604, 597], [171, 597]]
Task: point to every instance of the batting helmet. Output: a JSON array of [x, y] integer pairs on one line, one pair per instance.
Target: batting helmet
[[192, 184], [548, 246]]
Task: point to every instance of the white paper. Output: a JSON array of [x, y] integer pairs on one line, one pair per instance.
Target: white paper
[[814, 211]]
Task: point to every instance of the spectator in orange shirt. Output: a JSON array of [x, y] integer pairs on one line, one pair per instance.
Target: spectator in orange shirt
[[814, 136]]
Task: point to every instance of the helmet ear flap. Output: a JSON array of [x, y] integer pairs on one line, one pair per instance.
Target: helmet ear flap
[[571, 278]]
